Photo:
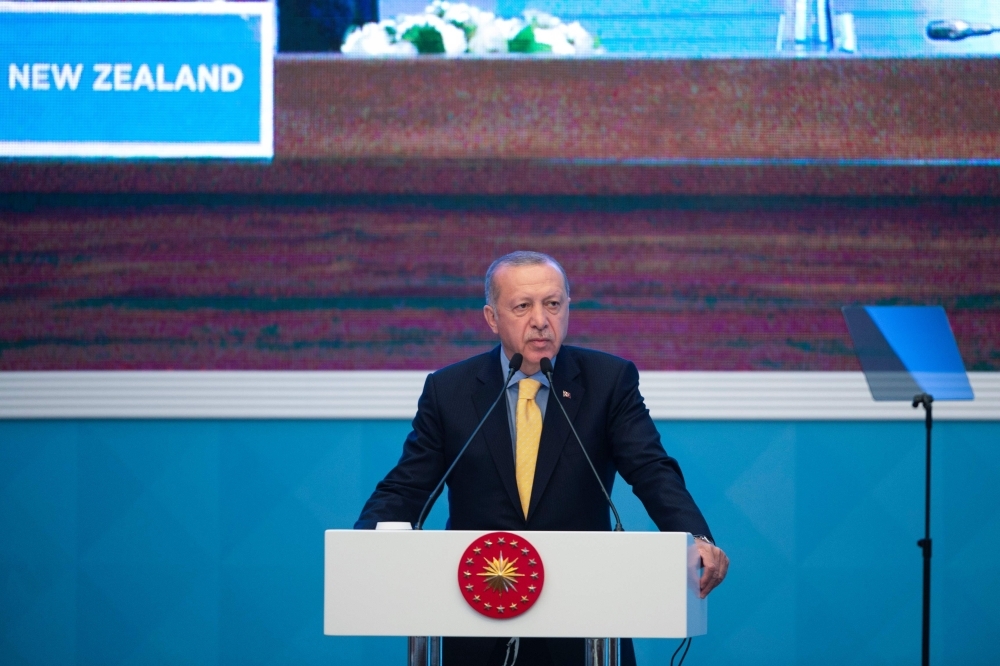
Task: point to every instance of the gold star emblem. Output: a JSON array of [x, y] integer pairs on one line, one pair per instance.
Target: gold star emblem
[[500, 574]]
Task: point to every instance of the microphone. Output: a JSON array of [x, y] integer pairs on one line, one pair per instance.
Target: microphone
[[546, 365], [515, 365], [955, 30]]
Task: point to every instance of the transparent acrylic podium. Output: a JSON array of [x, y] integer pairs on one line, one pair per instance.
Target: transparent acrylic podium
[[598, 585]]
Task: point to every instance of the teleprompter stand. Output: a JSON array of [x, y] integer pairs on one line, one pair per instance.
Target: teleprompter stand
[[909, 353], [926, 399]]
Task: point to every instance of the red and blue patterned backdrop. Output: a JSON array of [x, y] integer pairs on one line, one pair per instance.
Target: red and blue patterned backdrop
[[321, 283]]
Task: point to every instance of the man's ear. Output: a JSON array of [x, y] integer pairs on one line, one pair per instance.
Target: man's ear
[[491, 318]]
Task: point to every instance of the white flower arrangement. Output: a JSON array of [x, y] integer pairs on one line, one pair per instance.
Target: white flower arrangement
[[453, 28]]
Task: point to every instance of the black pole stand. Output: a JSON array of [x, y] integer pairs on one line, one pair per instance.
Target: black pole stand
[[925, 543]]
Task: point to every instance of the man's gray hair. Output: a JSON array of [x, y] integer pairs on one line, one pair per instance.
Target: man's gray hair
[[519, 258]]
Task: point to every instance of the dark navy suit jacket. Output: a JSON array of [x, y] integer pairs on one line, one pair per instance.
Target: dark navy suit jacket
[[600, 393], [601, 396]]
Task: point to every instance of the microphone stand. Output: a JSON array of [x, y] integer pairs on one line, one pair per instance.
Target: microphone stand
[[515, 365], [598, 651], [546, 366], [924, 544], [427, 650]]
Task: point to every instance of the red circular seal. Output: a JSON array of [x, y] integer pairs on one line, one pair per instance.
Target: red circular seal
[[501, 575]]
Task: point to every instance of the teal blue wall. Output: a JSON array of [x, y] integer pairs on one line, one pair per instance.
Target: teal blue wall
[[200, 542]]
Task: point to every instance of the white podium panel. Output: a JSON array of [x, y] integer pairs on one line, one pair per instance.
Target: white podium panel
[[405, 583]]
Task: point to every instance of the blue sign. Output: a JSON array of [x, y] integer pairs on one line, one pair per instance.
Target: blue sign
[[156, 79], [906, 350]]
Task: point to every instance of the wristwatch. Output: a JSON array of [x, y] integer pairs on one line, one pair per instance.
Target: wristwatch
[[702, 537]]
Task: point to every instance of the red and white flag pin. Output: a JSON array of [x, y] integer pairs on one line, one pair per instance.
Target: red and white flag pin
[[566, 394]]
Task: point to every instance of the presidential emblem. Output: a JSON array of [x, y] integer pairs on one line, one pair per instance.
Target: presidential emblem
[[501, 575]]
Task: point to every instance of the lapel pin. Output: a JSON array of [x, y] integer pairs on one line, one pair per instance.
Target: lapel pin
[[566, 394]]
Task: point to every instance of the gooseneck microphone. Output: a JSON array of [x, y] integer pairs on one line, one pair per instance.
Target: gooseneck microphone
[[546, 365], [515, 365], [955, 30]]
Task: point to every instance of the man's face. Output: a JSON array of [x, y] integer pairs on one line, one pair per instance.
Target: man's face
[[531, 314]]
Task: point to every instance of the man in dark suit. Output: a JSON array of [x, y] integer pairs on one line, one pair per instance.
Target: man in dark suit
[[523, 471]]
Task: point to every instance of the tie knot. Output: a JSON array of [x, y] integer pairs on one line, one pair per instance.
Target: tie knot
[[527, 389]]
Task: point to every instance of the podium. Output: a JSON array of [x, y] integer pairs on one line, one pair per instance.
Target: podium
[[597, 585]]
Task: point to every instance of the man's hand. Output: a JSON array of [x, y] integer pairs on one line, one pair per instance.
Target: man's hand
[[716, 565]]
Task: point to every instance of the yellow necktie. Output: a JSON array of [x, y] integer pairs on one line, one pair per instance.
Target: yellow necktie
[[528, 418]]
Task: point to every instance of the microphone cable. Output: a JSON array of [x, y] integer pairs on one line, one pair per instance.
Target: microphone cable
[[515, 365], [686, 644]]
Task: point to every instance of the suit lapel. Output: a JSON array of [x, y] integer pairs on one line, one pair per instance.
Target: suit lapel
[[555, 430], [496, 430]]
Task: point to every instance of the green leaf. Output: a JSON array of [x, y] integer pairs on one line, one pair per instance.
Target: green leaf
[[524, 42], [468, 28], [426, 38]]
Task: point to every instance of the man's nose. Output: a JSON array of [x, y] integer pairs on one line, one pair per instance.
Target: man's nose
[[538, 318]]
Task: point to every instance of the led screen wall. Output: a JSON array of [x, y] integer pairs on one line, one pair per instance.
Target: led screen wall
[[712, 213], [713, 284]]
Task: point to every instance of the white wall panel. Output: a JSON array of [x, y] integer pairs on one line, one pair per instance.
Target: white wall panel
[[393, 395]]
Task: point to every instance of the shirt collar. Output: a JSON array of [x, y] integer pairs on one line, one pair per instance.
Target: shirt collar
[[518, 376]]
